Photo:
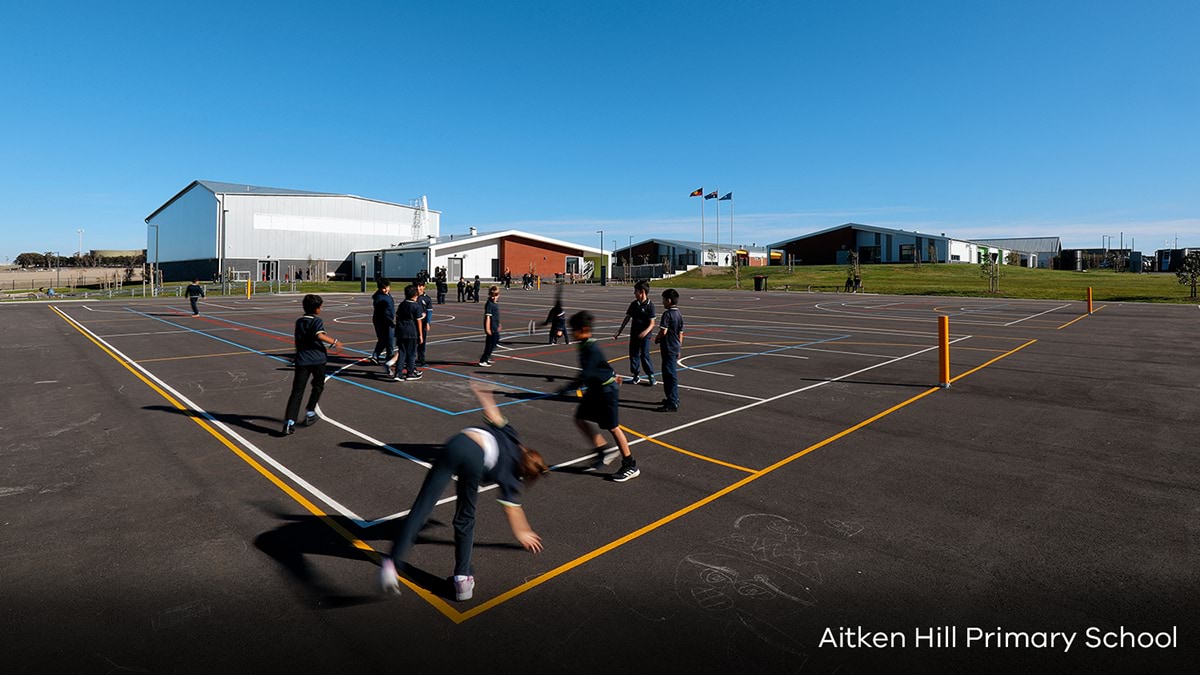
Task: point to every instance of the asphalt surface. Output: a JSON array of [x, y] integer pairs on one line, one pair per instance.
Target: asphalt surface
[[816, 479]]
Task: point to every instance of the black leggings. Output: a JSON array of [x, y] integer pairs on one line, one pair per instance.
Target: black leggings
[[461, 457], [318, 385]]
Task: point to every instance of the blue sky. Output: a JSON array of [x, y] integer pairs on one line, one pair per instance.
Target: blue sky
[[1012, 118]]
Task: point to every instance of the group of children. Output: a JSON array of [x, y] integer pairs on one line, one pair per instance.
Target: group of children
[[494, 453], [401, 330]]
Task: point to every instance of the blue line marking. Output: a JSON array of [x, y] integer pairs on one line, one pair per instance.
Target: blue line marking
[[353, 382]]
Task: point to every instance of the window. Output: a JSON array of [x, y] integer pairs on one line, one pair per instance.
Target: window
[[906, 252]]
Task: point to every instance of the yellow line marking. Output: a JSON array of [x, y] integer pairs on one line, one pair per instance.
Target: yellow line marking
[[357, 543], [1081, 316], [988, 363], [567, 566], [459, 617], [687, 452]]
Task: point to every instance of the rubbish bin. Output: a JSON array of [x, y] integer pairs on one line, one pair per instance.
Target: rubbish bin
[[760, 282]]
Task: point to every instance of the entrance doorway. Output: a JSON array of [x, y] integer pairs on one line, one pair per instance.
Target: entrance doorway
[[268, 270]]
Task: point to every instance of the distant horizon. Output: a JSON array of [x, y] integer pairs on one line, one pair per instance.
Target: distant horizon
[[989, 119]]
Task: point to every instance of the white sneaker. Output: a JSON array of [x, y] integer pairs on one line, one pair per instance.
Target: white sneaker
[[389, 581], [464, 587], [485, 364]]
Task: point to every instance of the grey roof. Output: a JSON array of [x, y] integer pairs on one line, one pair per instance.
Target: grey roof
[[425, 243], [217, 187], [238, 188], [681, 243], [865, 228], [1024, 244]]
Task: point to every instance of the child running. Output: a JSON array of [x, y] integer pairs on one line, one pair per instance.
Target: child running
[[194, 292], [310, 361], [557, 320], [641, 310], [492, 454], [600, 400], [670, 342]]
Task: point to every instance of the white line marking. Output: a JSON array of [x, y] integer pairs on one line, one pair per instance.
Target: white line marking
[[789, 393], [698, 370], [1036, 315], [312, 489]]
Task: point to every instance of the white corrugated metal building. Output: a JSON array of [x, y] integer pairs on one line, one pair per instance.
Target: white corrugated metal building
[[246, 231]]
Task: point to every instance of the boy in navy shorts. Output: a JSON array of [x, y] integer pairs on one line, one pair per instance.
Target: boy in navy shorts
[[641, 311], [600, 400], [310, 361], [670, 342]]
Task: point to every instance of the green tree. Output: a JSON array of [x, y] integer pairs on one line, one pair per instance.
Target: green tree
[[31, 260], [1189, 271]]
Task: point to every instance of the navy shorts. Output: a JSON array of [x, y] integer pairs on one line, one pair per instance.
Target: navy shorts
[[600, 405]]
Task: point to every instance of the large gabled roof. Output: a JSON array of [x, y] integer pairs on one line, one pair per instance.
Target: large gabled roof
[[864, 228], [220, 188]]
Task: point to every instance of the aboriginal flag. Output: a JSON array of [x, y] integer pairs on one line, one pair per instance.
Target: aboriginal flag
[[697, 192]]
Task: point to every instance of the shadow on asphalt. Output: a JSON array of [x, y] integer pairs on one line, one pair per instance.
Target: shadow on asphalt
[[242, 421]]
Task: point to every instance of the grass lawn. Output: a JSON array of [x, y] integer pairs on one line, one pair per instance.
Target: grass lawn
[[954, 279]]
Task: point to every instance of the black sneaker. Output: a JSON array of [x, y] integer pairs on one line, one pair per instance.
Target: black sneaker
[[289, 428], [415, 376], [310, 419], [628, 471], [667, 407]]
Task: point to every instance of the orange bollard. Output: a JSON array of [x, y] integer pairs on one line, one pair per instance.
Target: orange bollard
[[1089, 299], [249, 289], [944, 352]]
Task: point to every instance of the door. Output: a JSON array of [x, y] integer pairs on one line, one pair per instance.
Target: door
[[455, 270], [268, 270]]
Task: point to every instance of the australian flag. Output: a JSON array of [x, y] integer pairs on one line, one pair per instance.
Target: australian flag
[[711, 195]]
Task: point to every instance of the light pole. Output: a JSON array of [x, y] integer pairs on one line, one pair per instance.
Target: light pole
[[603, 279], [154, 269], [79, 253]]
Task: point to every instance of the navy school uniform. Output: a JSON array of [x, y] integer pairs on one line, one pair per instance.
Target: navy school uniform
[[641, 315], [408, 315], [491, 310], [310, 361], [194, 292], [601, 397], [427, 307], [383, 319], [497, 461], [670, 346]]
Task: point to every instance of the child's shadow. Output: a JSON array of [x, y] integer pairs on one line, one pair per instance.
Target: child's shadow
[[302, 536], [244, 421], [425, 452]]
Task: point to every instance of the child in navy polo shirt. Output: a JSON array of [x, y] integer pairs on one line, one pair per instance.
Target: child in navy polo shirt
[[641, 311], [426, 307], [409, 316], [493, 454], [491, 326], [194, 292], [383, 320], [310, 361], [670, 342], [600, 400]]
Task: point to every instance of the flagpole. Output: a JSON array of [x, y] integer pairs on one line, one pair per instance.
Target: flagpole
[[718, 237], [702, 200]]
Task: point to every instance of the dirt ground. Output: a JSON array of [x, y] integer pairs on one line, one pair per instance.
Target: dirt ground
[[15, 278]]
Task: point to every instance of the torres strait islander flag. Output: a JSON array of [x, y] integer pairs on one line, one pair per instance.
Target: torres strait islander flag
[[697, 192]]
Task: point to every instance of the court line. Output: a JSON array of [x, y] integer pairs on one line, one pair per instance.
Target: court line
[[161, 332], [1081, 316], [206, 356], [1036, 315], [687, 452], [595, 553], [207, 424]]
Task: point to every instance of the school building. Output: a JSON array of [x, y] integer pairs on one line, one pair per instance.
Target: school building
[[241, 231], [879, 245], [484, 254], [676, 255]]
